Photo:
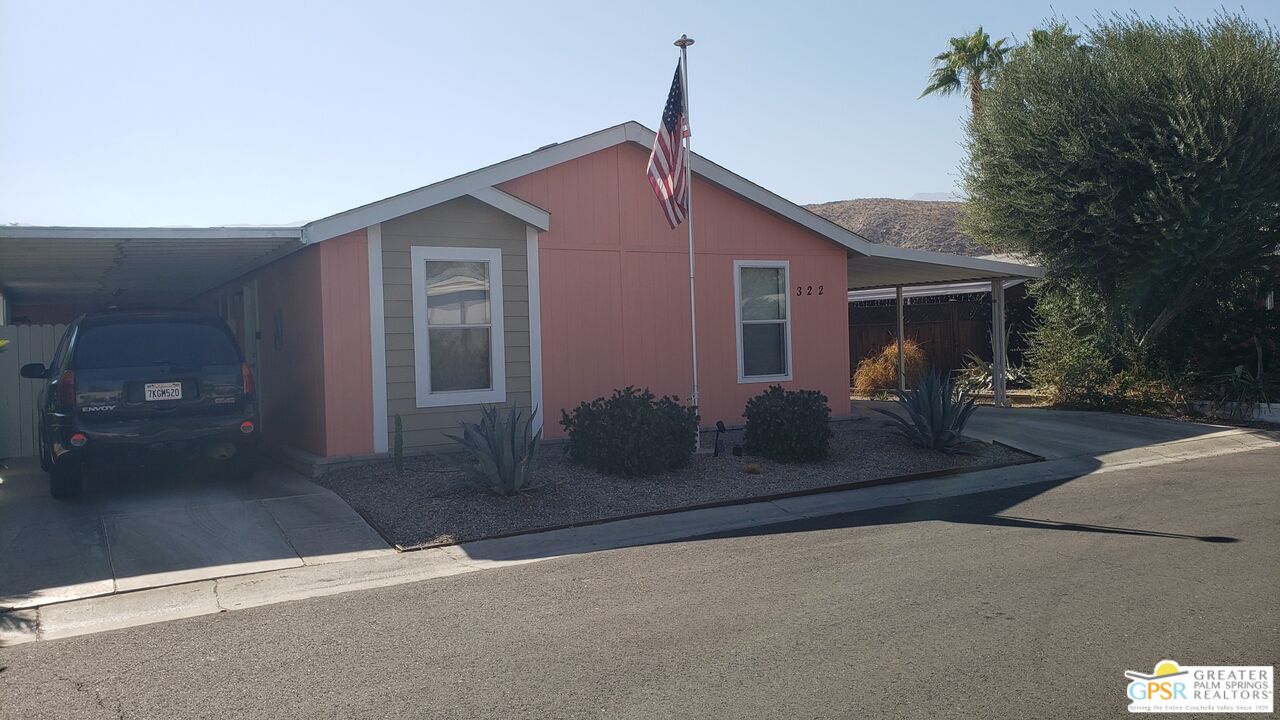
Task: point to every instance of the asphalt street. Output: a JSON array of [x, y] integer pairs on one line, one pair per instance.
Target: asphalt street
[[1016, 604]]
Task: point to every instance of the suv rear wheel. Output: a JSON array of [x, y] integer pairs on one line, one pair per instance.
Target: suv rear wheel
[[66, 479]]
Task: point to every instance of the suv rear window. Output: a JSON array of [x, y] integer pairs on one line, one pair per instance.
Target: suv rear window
[[154, 343]]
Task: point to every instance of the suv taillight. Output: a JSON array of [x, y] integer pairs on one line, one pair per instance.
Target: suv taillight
[[67, 390], [246, 378]]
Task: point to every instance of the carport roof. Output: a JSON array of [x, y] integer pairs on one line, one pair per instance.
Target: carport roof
[[131, 265]]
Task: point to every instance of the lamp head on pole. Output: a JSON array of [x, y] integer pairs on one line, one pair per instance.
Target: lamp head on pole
[[684, 42]]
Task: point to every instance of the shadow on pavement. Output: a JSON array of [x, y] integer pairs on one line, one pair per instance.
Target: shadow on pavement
[[978, 509]]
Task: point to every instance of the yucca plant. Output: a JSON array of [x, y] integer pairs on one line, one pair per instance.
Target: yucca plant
[[502, 450], [936, 413]]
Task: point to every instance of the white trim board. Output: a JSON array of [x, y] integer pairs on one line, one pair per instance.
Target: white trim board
[[497, 390], [514, 206], [377, 340], [53, 232], [535, 328]]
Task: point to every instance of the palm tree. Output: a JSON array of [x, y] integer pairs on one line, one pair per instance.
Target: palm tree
[[967, 65]]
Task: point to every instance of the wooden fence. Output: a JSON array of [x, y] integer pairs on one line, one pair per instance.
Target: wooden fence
[[944, 331]]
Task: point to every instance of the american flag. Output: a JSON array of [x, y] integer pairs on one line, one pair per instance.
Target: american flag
[[668, 159]]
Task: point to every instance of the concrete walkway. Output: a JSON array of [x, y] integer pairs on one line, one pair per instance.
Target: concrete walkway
[[142, 531], [1125, 441]]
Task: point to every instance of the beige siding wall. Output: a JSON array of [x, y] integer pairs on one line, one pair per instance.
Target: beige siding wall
[[464, 222]]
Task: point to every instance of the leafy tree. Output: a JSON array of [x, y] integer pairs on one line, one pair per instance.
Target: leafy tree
[[1056, 35], [966, 66], [1140, 168]]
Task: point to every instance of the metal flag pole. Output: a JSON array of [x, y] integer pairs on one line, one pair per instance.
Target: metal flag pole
[[683, 43]]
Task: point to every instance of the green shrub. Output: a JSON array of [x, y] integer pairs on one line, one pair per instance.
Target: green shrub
[[935, 414], [631, 433], [1237, 394], [788, 426], [501, 449]]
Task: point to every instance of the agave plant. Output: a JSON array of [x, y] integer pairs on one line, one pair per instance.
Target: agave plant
[[501, 449], [936, 413]]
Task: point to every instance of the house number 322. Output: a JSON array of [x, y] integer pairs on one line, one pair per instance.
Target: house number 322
[[807, 290]]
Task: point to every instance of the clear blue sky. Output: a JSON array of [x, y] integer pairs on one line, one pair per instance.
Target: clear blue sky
[[159, 113]]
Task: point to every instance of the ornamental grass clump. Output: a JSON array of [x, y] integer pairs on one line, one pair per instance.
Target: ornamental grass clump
[[880, 372], [631, 433]]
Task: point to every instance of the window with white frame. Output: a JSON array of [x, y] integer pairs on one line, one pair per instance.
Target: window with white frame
[[764, 320], [457, 326]]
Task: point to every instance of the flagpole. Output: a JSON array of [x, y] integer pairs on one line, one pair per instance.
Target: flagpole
[[683, 43]]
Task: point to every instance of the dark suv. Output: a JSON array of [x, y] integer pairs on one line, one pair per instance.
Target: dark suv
[[126, 386]]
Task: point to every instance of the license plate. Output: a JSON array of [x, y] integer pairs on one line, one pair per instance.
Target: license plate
[[163, 391]]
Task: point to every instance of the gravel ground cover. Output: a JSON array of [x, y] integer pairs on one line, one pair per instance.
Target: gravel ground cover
[[429, 503]]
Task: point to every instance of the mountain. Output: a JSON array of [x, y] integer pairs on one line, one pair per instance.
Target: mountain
[[917, 224], [942, 196]]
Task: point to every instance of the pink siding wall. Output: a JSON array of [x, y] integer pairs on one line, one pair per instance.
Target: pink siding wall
[[291, 376], [316, 386], [614, 280], [344, 292]]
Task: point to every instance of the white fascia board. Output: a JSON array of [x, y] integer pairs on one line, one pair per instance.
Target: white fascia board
[[994, 267], [736, 183], [514, 206], [477, 180], [148, 233], [940, 289]]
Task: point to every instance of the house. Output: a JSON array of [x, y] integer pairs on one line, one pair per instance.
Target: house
[[544, 280]]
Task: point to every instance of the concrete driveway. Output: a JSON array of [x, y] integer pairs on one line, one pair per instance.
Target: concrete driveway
[[150, 529], [1055, 434]]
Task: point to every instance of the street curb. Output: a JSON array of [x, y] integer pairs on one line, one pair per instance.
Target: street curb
[[204, 597], [749, 500]]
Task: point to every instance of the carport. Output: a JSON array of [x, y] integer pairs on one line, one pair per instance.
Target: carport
[[901, 271], [143, 530], [49, 275]]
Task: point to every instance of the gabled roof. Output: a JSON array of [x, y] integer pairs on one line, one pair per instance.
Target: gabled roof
[[480, 184]]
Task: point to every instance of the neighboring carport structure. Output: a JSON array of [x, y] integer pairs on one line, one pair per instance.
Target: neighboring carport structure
[[901, 270]]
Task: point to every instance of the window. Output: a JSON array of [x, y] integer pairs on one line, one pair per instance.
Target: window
[[457, 326], [764, 320], [156, 343]]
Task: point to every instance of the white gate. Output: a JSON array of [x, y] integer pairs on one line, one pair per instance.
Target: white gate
[[18, 396]]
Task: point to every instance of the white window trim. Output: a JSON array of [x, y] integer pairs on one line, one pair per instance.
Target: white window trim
[[421, 348], [785, 266]]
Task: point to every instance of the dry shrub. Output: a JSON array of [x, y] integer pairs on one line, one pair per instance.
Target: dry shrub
[[880, 372]]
